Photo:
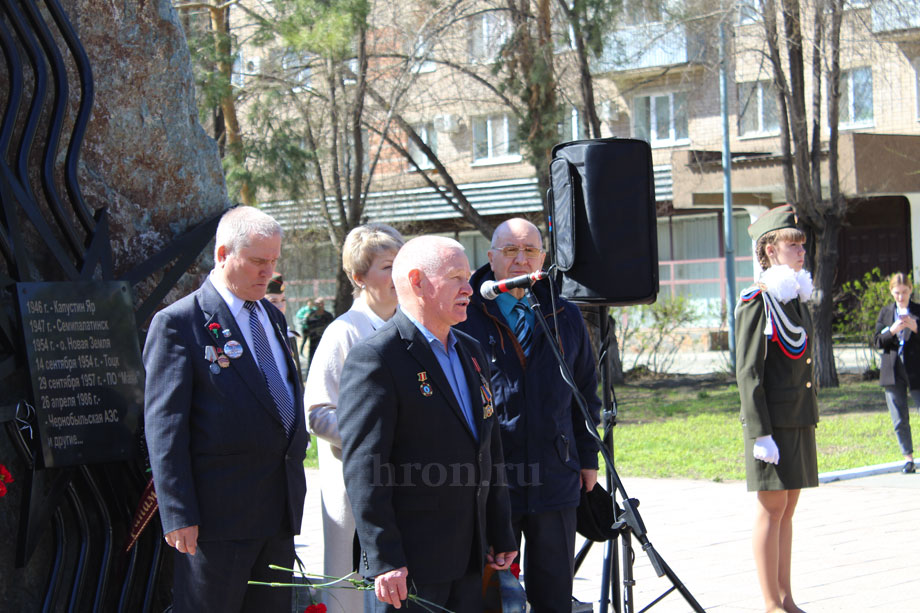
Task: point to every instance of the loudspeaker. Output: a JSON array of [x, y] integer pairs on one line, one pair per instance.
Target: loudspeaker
[[603, 232]]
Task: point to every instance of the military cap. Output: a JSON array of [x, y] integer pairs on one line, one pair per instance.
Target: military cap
[[276, 284], [774, 219]]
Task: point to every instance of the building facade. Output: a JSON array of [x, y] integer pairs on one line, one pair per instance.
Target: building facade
[[658, 80]]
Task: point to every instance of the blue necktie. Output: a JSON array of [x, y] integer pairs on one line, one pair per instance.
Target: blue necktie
[[279, 391], [521, 330]]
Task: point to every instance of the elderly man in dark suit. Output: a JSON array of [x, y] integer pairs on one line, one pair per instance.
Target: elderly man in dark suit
[[225, 427], [421, 447]]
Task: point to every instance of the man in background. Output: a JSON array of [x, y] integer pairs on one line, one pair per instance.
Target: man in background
[[317, 322], [274, 293], [549, 452]]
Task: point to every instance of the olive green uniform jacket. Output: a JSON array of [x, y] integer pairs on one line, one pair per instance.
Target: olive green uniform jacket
[[777, 389]]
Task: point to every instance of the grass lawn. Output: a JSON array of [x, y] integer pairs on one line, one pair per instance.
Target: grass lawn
[[689, 427]]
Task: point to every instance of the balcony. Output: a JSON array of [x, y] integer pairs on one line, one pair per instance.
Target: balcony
[[896, 19], [649, 46]]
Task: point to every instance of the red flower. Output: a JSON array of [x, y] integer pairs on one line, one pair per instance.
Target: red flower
[[214, 326], [315, 608], [516, 570], [2, 489], [5, 474]]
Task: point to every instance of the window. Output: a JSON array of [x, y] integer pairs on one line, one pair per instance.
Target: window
[[855, 97], [244, 67], [916, 64], [573, 126], [350, 71], [495, 139], [757, 114], [430, 137], [749, 11], [488, 32], [661, 119], [237, 79], [420, 52], [296, 68]]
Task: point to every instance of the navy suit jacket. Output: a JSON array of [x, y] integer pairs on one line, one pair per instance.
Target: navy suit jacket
[[220, 457], [425, 492]]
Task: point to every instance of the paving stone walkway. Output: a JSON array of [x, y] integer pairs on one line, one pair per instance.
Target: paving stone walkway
[[855, 546]]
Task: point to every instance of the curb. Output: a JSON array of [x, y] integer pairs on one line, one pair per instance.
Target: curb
[[864, 471]]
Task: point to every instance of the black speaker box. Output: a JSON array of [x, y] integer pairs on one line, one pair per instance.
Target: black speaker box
[[603, 230]]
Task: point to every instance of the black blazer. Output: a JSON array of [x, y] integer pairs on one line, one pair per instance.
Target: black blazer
[[889, 343], [219, 454], [423, 490]]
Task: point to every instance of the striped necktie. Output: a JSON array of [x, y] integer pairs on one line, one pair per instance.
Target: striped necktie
[[276, 386], [521, 330]]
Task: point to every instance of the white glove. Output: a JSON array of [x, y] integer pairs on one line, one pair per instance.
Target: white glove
[[765, 449]]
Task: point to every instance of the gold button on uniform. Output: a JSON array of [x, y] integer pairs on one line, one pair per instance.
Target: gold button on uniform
[[808, 384], [808, 360]]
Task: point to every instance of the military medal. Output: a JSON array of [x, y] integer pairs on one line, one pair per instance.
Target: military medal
[[210, 354], [485, 392], [233, 349], [425, 387], [223, 361], [226, 333], [486, 401]]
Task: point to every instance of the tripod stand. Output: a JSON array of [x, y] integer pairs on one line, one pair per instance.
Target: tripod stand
[[629, 523]]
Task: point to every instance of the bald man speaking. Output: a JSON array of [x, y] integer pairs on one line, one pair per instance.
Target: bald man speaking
[[421, 448]]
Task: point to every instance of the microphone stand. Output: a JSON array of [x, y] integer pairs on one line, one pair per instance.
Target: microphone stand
[[629, 523]]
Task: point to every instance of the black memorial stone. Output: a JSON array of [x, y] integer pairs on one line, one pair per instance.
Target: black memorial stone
[[85, 368]]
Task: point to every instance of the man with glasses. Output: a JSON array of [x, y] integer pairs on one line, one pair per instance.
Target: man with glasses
[[549, 453]]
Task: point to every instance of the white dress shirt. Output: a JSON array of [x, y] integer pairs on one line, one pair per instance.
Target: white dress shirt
[[241, 315]]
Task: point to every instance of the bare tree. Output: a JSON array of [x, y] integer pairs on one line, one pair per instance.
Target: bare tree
[[801, 146]]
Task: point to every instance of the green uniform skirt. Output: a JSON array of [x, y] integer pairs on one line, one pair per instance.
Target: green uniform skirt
[[798, 462]]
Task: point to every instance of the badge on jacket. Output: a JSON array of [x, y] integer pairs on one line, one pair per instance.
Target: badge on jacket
[[485, 391], [425, 387]]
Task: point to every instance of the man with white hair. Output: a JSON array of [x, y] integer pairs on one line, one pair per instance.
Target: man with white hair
[[224, 423], [421, 450]]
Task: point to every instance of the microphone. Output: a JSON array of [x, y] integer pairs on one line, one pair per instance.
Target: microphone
[[491, 289]]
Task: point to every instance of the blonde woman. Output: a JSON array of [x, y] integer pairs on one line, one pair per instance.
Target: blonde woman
[[779, 408], [896, 336], [367, 258]]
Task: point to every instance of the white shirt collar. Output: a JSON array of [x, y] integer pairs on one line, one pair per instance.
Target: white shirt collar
[[234, 302], [360, 305]]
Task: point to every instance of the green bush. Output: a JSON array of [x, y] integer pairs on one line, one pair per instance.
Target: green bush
[[858, 305]]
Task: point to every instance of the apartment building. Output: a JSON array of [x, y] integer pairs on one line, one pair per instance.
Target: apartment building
[[658, 80]]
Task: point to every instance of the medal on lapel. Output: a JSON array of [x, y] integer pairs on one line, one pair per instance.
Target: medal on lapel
[[425, 387], [210, 354], [233, 350], [226, 333], [223, 361], [485, 391]]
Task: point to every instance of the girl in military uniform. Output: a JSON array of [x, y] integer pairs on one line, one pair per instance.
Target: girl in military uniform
[[779, 408]]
